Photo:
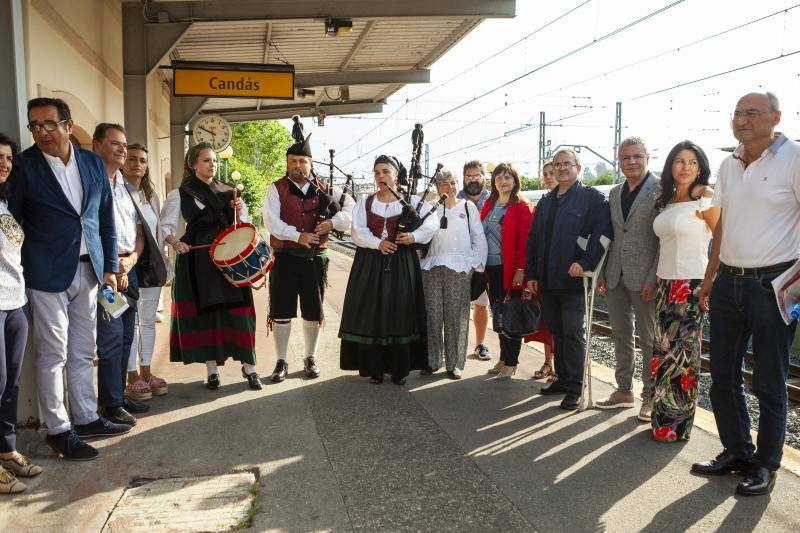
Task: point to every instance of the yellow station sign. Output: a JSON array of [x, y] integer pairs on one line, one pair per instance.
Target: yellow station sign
[[235, 83]]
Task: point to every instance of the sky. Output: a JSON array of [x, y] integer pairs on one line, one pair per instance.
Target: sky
[[575, 59]]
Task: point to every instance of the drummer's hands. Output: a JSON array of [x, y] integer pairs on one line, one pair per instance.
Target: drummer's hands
[[180, 247], [575, 270], [308, 239], [387, 247], [237, 205], [323, 227], [404, 238]]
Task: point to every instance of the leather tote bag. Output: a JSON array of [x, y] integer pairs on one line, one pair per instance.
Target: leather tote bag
[[521, 316]]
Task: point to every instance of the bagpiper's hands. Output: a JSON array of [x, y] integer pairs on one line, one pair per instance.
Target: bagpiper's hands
[[323, 227], [387, 247], [308, 240], [404, 238]]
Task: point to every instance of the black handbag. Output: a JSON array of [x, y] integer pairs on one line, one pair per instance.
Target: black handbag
[[519, 316]]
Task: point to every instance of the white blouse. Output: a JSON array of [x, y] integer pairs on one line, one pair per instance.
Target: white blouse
[[171, 214], [461, 246], [12, 284], [684, 239], [361, 234]]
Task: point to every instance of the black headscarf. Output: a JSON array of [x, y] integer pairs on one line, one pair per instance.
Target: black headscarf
[[392, 161]]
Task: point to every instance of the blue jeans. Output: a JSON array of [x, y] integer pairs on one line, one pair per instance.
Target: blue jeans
[[741, 306], [13, 338], [114, 339]]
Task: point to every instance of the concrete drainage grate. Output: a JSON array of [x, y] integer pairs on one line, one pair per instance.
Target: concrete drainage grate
[[204, 503]]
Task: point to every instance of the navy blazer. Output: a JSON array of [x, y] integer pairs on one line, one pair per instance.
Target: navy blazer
[[52, 227], [583, 213]]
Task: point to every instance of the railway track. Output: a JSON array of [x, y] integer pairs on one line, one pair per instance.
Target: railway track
[[602, 326]]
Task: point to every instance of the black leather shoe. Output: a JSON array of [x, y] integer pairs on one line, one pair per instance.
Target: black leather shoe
[[570, 402], [116, 415], [722, 464], [102, 427], [253, 381], [133, 406], [554, 388], [758, 481], [428, 371], [310, 367], [69, 446], [281, 369], [452, 375], [213, 382], [399, 381]]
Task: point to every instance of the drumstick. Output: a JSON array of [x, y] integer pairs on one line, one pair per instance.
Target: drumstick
[[239, 187], [199, 246]]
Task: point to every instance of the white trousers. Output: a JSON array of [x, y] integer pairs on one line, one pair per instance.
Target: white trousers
[[144, 334], [64, 335]]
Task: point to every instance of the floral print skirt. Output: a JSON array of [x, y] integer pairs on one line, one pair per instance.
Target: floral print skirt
[[676, 358]]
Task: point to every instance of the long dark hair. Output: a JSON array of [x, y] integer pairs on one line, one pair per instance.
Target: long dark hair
[[146, 185], [668, 180], [506, 168], [5, 140]]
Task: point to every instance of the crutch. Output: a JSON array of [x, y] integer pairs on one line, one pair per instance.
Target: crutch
[[589, 286]]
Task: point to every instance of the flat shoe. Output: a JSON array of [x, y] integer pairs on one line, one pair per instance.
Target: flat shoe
[[21, 466], [9, 484], [253, 380], [213, 382]]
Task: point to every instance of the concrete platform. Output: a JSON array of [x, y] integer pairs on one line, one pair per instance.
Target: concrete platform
[[339, 454]]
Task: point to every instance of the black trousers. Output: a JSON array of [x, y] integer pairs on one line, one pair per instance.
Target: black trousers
[[564, 314], [293, 277], [13, 337], [509, 348]]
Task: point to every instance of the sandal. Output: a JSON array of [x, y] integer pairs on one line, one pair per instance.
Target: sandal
[[553, 378], [20, 465], [496, 369], [138, 391], [542, 373], [157, 385]]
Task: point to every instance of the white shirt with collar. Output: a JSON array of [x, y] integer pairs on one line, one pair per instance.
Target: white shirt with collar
[[760, 206], [125, 217], [69, 177], [285, 232], [461, 246]]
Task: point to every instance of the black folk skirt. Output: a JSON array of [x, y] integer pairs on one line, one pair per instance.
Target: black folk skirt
[[383, 326]]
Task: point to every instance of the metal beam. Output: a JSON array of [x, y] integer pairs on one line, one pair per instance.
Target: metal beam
[[361, 77], [447, 43], [308, 110], [267, 38], [357, 46], [162, 38], [13, 89], [252, 10]]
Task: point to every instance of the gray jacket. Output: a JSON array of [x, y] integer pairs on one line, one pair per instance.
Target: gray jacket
[[634, 250]]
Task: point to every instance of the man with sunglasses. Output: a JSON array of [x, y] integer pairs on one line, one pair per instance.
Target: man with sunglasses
[[475, 191], [62, 197]]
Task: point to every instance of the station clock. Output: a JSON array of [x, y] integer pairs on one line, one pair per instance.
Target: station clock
[[214, 130]]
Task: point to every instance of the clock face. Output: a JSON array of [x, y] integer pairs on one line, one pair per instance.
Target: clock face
[[214, 130]]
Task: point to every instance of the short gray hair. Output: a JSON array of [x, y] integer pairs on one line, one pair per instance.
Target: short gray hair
[[633, 141], [445, 175], [569, 151], [774, 105]]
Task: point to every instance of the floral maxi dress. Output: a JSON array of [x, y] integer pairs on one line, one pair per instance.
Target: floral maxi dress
[[676, 358]]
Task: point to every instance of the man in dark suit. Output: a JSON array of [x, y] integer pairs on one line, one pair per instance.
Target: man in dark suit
[[63, 200], [568, 217]]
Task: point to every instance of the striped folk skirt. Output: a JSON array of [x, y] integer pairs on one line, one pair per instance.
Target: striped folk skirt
[[197, 337]]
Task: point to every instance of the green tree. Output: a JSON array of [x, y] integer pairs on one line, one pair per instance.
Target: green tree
[[259, 154], [530, 184], [605, 178]]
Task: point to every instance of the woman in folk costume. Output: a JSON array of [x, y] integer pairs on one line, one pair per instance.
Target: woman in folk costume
[[211, 319], [383, 318]]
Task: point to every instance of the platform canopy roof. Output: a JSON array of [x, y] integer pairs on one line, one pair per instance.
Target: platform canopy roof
[[392, 43]]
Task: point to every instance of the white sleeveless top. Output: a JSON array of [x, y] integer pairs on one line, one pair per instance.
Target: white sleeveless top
[[683, 239]]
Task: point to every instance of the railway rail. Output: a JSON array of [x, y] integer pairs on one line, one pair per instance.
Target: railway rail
[[601, 325]]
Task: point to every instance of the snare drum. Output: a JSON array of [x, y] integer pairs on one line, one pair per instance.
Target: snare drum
[[241, 255]]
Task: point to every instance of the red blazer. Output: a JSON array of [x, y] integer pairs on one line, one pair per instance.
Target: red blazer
[[514, 231]]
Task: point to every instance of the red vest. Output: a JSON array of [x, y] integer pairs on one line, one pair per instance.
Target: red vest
[[298, 211], [375, 222]]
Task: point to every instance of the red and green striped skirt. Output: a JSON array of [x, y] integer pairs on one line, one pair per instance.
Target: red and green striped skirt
[[197, 337]]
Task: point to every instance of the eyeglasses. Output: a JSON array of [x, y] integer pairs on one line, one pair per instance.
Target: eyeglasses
[[565, 165], [747, 113], [48, 126], [473, 176]]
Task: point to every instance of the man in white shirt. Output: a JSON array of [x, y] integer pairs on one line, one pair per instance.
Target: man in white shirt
[[298, 218], [62, 197], [757, 239], [115, 335]]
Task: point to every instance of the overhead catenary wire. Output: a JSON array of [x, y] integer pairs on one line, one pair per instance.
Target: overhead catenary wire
[[467, 71], [562, 57]]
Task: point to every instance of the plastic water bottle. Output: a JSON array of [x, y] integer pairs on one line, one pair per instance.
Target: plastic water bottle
[[108, 293], [795, 312]]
